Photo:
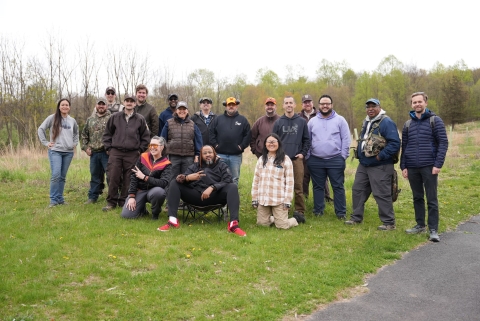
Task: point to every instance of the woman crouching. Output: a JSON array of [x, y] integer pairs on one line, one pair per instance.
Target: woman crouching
[[148, 181], [272, 186]]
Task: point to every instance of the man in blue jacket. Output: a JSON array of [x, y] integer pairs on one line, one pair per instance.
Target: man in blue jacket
[[424, 147], [230, 134], [168, 112], [379, 143]]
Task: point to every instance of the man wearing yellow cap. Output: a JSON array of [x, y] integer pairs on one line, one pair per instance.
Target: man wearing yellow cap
[[230, 134]]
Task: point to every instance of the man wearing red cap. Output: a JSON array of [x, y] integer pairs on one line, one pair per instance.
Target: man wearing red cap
[[263, 126]]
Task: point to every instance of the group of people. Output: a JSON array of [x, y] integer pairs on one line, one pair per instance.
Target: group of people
[[197, 158]]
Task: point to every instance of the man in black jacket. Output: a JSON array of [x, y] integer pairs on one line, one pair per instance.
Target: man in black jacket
[[203, 118], [293, 131], [230, 134], [126, 137]]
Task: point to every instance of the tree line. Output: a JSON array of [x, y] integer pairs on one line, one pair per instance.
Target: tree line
[[30, 86]]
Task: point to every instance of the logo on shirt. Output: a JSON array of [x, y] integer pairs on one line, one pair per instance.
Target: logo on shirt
[[237, 123], [290, 129]]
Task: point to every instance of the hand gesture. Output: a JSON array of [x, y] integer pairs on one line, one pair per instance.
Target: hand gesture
[[138, 173]]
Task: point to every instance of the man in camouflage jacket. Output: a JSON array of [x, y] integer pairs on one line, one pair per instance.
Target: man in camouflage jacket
[[92, 144]]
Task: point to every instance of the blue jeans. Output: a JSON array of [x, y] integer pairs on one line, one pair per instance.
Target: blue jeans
[[59, 163], [334, 168], [234, 162], [98, 168]]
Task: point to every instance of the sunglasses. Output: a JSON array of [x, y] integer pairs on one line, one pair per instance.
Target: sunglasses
[[154, 145], [110, 93]]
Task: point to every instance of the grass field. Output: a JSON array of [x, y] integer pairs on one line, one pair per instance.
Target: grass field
[[76, 262]]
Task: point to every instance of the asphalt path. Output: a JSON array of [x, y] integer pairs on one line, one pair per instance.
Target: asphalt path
[[437, 281]]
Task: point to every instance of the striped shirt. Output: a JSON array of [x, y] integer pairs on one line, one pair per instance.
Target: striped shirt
[[273, 185]]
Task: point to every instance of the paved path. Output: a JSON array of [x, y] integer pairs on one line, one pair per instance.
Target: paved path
[[437, 281]]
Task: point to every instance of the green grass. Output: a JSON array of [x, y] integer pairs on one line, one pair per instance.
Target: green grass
[[76, 262]]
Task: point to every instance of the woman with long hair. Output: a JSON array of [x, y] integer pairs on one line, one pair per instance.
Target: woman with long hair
[[272, 186], [63, 137], [149, 180]]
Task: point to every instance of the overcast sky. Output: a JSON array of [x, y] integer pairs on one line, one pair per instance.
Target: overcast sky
[[233, 37]]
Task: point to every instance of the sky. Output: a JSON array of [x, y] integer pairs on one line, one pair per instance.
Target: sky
[[235, 37]]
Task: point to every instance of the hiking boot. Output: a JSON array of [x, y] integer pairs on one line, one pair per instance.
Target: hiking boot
[[385, 227], [90, 201], [233, 228], [299, 217], [108, 208], [167, 226], [434, 236], [319, 214], [416, 229], [352, 222], [342, 217]]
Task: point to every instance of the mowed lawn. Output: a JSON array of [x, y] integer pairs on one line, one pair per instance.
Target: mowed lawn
[[75, 262]]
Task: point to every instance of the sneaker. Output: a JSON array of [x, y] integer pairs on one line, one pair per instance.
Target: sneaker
[[319, 214], [233, 228], [299, 217], [434, 236], [416, 229], [342, 217], [352, 222], [90, 201], [108, 208], [387, 227], [167, 226], [52, 205]]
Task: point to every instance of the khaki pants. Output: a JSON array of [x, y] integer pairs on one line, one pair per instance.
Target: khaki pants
[[280, 216]]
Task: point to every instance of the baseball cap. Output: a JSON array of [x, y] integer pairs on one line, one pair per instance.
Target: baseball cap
[[101, 100], [306, 98], [232, 100], [373, 101], [270, 100], [205, 98], [110, 88], [182, 104], [172, 95], [127, 96]]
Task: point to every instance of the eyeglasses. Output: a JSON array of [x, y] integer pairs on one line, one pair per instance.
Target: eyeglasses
[[110, 93], [324, 104], [272, 141], [154, 145]]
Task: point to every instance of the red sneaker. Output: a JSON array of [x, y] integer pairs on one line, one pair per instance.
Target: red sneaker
[[167, 226], [233, 228]]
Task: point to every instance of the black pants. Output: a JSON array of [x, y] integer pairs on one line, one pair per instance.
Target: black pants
[[226, 195]]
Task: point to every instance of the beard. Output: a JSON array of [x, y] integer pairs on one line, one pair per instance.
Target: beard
[[209, 162], [326, 113]]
